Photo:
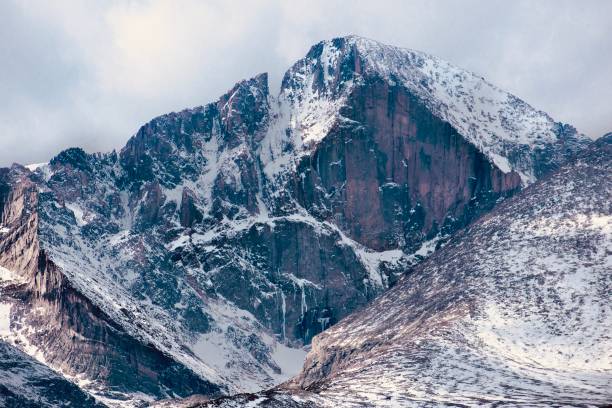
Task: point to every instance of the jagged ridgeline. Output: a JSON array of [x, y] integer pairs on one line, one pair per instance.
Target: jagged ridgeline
[[204, 255]]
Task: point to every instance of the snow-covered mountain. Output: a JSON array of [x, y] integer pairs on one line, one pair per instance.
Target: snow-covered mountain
[[514, 310], [208, 252]]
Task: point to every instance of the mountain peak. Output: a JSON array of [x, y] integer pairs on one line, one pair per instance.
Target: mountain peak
[[506, 129], [243, 109]]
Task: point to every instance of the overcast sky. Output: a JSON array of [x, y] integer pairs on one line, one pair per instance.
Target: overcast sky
[[89, 73]]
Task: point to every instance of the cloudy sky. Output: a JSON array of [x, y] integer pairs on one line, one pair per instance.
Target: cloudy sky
[[88, 73]]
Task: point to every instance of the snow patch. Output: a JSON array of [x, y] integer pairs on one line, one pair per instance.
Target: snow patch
[[35, 166], [5, 319], [79, 215], [7, 275]]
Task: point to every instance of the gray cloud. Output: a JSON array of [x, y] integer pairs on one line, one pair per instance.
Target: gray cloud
[[89, 74]]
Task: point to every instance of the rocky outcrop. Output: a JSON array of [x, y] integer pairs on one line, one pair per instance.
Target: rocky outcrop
[[77, 337], [243, 111], [25, 383], [396, 175], [190, 214], [305, 280], [19, 219]]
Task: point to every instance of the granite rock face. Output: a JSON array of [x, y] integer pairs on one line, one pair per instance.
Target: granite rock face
[[204, 255], [396, 175]]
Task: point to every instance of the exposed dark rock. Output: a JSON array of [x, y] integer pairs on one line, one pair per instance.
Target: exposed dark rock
[[397, 175], [190, 214]]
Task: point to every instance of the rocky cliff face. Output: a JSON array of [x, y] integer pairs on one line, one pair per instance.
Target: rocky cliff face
[[221, 239], [396, 175], [48, 313]]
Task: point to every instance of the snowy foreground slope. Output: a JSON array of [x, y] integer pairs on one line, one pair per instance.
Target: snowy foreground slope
[[204, 256], [513, 310]]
